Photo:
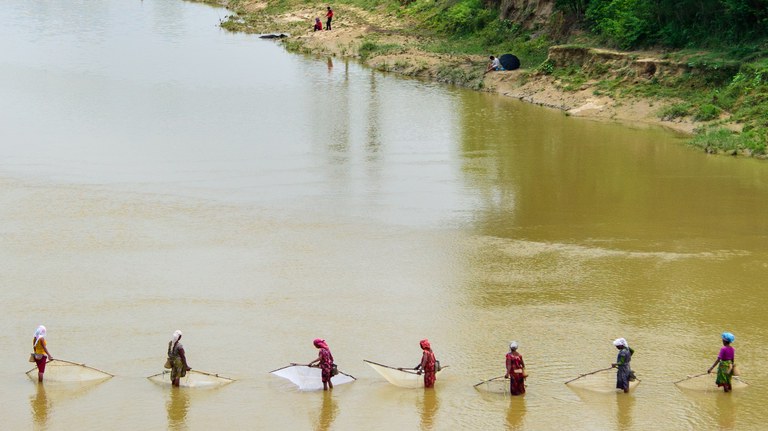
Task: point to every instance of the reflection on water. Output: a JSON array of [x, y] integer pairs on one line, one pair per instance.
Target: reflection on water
[[40, 407], [177, 406], [625, 404], [250, 186], [328, 412], [726, 411], [516, 413], [429, 406]]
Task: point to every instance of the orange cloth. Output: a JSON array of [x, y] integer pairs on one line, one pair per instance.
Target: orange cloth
[[40, 347]]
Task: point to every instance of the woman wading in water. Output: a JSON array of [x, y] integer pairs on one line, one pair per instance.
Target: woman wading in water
[[515, 370], [40, 349], [725, 360], [623, 372], [177, 358], [427, 364], [324, 361]]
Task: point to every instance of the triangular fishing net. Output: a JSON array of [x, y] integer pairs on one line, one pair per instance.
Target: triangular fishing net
[[603, 381], [309, 378], [498, 385], [193, 379], [706, 383], [65, 371], [405, 378]]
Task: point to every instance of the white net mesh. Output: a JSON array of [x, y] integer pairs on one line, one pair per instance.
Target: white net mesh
[[402, 378], [309, 378], [603, 381], [193, 379], [706, 383], [498, 385], [65, 371]]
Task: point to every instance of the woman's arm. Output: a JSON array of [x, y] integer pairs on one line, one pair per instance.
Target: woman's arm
[[717, 361], [509, 367], [620, 360], [315, 362], [423, 363], [45, 348]]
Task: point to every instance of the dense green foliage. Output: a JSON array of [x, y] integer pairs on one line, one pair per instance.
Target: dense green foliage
[[475, 27], [678, 23]]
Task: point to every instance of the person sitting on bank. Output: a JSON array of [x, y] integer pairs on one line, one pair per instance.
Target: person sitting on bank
[[494, 64], [318, 24]]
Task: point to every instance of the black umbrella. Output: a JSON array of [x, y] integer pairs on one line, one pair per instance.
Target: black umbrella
[[509, 62]]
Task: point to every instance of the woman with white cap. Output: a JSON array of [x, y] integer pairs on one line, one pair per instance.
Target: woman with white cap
[[177, 358], [515, 370], [724, 362], [40, 350], [624, 372]]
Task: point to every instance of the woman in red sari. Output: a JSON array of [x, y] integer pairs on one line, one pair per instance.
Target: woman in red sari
[[324, 361], [515, 370], [427, 365]]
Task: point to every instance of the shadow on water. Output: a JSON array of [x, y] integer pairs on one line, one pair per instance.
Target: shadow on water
[[328, 412], [178, 407]]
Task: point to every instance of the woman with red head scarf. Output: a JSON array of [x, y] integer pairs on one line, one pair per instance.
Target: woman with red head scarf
[[427, 364], [324, 361]]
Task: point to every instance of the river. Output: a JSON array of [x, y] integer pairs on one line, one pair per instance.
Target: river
[[159, 173]]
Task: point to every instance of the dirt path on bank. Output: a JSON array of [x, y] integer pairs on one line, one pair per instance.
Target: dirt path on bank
[[352, 27]]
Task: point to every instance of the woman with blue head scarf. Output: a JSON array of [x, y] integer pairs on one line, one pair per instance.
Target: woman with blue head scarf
[[725, 360]]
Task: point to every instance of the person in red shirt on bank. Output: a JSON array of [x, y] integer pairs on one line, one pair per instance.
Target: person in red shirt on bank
[[318, 24], [328, 15]]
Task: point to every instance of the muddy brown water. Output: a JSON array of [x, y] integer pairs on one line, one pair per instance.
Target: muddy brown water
[[158, 173]]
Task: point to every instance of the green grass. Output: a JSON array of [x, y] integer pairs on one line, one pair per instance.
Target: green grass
[[678, 110], [370, 48], [720, 140]]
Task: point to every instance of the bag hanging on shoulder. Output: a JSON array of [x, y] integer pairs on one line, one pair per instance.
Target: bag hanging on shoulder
[[334, 370], [168, 364], [735, 371], [32, 357], [437, 366]]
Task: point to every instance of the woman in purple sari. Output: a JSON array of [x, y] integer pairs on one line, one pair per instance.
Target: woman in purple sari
[[724, 362]]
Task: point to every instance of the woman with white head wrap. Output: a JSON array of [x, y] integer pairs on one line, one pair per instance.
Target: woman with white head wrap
[[515, 370], [624, 373], [40, 350], [177, 358]]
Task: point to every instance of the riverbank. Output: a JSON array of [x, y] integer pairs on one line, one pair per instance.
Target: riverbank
[[640, 88]]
